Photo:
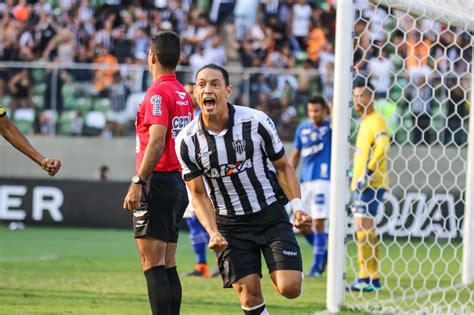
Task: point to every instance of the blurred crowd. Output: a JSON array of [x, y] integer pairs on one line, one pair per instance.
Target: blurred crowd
[[296, 37]]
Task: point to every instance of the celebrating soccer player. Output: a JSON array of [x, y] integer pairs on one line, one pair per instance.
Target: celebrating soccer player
[[13, 135], [157, 194], [223, 155], [313, 145], [369, 183]]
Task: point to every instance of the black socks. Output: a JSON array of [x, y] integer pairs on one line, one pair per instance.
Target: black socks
[[164, 290], [159, 293], [175, 289]]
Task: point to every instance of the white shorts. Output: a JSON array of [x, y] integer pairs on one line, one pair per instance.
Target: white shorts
[[315, 195]]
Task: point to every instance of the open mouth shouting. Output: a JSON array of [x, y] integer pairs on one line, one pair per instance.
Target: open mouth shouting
[[209, 103]]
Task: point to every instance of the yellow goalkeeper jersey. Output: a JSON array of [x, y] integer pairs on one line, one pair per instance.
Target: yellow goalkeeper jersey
[[371, 150], [2, 111]]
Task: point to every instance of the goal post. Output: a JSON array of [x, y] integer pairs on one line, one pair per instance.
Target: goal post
[[418, 56], [468, 243], [339, 156]]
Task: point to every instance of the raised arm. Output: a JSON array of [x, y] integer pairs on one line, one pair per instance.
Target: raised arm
[[13, 135]]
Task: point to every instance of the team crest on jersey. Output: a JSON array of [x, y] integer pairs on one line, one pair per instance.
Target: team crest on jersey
[[239, 146], [156, 102]]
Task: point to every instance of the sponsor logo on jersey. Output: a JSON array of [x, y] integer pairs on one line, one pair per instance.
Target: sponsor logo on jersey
[[155, 100], [239, 146], [182, 95], [182, 103], [178, 123], [245, 119], [229, 169], [312, 149]]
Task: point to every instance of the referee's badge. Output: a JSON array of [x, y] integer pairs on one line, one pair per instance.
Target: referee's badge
[[239, 146]]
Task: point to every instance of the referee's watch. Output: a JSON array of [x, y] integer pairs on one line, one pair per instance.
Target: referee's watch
[[137, 180]]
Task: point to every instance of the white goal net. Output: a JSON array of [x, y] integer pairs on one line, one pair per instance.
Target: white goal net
[[418, 57]]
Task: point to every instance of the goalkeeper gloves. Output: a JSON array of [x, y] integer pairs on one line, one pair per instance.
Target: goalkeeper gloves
[[364, 182]]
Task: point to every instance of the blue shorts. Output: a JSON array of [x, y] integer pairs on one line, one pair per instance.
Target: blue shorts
[[367, 202]]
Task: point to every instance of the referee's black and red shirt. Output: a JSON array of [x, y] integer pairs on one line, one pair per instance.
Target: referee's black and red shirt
[[165, 103]]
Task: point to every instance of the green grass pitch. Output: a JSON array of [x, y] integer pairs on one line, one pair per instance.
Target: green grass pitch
[[96, 271]]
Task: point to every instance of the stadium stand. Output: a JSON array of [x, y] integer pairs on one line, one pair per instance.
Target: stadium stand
[[278, 56]]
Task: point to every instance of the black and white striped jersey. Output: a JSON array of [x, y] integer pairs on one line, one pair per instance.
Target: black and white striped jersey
[[233, 162]]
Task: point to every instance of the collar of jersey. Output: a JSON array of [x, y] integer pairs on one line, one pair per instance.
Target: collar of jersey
[[230, 122], [165, 77]]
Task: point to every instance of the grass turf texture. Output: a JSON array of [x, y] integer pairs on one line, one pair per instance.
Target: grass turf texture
[[86, 271]]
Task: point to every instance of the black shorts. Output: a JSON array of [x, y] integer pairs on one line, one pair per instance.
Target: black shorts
[[268, 232], [164, 200]]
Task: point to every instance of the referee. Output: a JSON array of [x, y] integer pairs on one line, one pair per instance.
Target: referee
[[223, 155], [13, 135], [157, 194]]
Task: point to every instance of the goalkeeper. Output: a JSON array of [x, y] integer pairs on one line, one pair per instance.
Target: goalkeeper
[[369, 184]]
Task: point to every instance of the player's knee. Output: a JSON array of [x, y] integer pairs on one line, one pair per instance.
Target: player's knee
[[291, 290]]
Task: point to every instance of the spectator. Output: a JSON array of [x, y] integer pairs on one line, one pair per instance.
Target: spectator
[[141, 40], [64, 45], [248, 57], [381, 69], [103, 173], [316, 41], [45, 30], [123, 46], [419, 95], [104, 77], [215, 53], [77, 124], [245, 16], [198, 60], [418, 51], [282, 59], [20, 87], [103, 38], [300, 22], [27, 43], [198, 32]]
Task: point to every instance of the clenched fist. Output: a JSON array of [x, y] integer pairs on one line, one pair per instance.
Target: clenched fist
[[217, 242], [302, 220], [51, 166]]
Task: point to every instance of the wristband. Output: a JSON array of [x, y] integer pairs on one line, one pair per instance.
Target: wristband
[[296, 204]]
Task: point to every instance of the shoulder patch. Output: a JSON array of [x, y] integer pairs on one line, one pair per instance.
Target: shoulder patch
[[2, 111], [155, 100]]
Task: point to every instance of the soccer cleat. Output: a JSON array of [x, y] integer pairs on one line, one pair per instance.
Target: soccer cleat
[[313, 274], [359, 285], [375, 283], [201, 270]]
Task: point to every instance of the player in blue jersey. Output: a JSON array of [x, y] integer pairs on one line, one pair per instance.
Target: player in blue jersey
[[313, 147]]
